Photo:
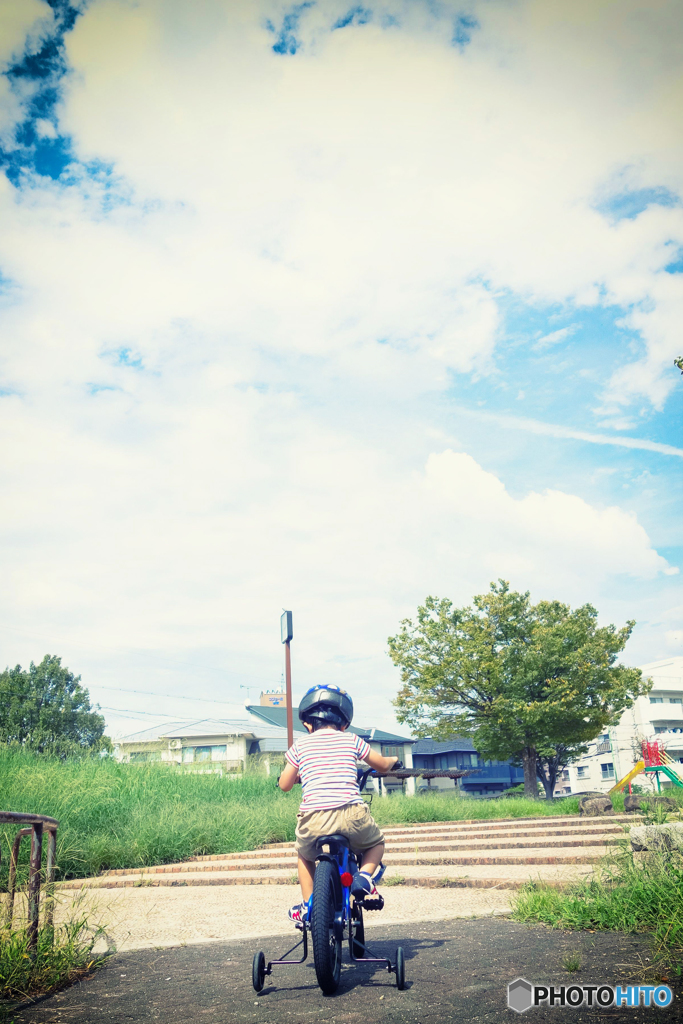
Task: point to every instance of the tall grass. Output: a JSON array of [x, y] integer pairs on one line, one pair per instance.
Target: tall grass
[[117, 816], [61, 957], [625, 895], [114, 815], [400, 809]]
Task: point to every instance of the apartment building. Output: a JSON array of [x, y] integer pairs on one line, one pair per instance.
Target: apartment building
[[489, 779], [657, 716]]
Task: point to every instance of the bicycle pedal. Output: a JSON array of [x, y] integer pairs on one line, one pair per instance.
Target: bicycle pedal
[[373, 904]]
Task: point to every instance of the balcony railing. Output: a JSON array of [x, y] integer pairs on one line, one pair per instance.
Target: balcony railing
[[603, 747]]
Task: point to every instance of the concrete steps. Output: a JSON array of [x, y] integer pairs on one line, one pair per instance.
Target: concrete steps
[[430, 844], [495, 853]]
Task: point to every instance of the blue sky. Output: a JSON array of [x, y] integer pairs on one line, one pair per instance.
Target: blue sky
[[332, 306]]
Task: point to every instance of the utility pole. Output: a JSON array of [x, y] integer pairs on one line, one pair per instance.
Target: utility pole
[[286, 634]]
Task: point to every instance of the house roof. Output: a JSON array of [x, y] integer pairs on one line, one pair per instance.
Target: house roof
[[278, 716], [195, 728], [381, 736], [260, 723], [455, 743], [275, 716]]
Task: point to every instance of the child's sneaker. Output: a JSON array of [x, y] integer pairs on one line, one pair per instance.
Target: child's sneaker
[[298, 913], [361, 886]]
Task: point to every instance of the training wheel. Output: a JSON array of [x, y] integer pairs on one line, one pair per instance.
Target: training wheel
[[258, 971], [400, 969]]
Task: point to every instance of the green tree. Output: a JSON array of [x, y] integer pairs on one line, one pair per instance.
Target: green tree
[[47, 710], [551, 761], [679, 363], [533, 683]]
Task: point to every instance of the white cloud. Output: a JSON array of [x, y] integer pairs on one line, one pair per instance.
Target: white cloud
[[550, 535], [322, 179], [304, 253], [554, 337], [19, 19]]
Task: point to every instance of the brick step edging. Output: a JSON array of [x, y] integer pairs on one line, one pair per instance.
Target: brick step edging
[[424, 882], [585, 837], [414, 828]]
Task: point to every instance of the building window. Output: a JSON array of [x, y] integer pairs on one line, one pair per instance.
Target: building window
[[656, 700], [219, 752], [390, 751], [607, 771], [582, 772], [675, 700], [138, 756], [202, 753], [423, 761]]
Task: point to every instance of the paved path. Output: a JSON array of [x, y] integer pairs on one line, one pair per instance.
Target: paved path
[[157, 917], [456, 971]]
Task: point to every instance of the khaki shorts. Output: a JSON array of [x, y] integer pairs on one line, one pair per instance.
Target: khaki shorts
[[351, 820]]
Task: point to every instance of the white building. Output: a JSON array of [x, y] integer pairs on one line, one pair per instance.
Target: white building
[[658, 716], [220, 745], [224, 745]]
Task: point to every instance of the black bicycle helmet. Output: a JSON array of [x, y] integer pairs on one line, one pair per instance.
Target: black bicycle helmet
[[328, 703]]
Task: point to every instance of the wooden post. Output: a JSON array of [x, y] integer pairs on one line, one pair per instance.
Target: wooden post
[[34, 887], [12, 880], [288, 690], [50, 880]]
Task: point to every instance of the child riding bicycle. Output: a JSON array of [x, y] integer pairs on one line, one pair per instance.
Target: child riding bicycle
[[326, 763]]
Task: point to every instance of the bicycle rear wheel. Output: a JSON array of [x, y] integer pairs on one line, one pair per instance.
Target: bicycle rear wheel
[[327, 947]]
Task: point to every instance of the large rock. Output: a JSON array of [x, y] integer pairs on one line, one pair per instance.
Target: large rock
[[638, 802], [595, 805], [657, 838]]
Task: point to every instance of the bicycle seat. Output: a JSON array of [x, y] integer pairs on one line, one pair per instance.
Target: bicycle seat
[[331, 844]]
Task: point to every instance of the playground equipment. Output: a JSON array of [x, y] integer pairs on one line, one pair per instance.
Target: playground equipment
[[654, 760]]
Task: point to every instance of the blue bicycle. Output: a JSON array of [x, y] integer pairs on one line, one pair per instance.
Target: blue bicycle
[[332, 916]]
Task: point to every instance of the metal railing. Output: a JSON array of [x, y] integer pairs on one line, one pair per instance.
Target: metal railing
[[35, 825]]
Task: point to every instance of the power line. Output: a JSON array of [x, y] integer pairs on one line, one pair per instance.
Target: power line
[[147, 693], [151, 714], [104, 707], [169, 696]]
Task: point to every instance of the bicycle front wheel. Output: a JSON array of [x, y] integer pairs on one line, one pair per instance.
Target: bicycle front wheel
[[327, 947]]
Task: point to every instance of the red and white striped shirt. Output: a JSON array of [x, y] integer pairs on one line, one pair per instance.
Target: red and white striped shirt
[[326, 761]]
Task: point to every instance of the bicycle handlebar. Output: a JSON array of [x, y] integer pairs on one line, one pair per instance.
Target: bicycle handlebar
[[363, 776]]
